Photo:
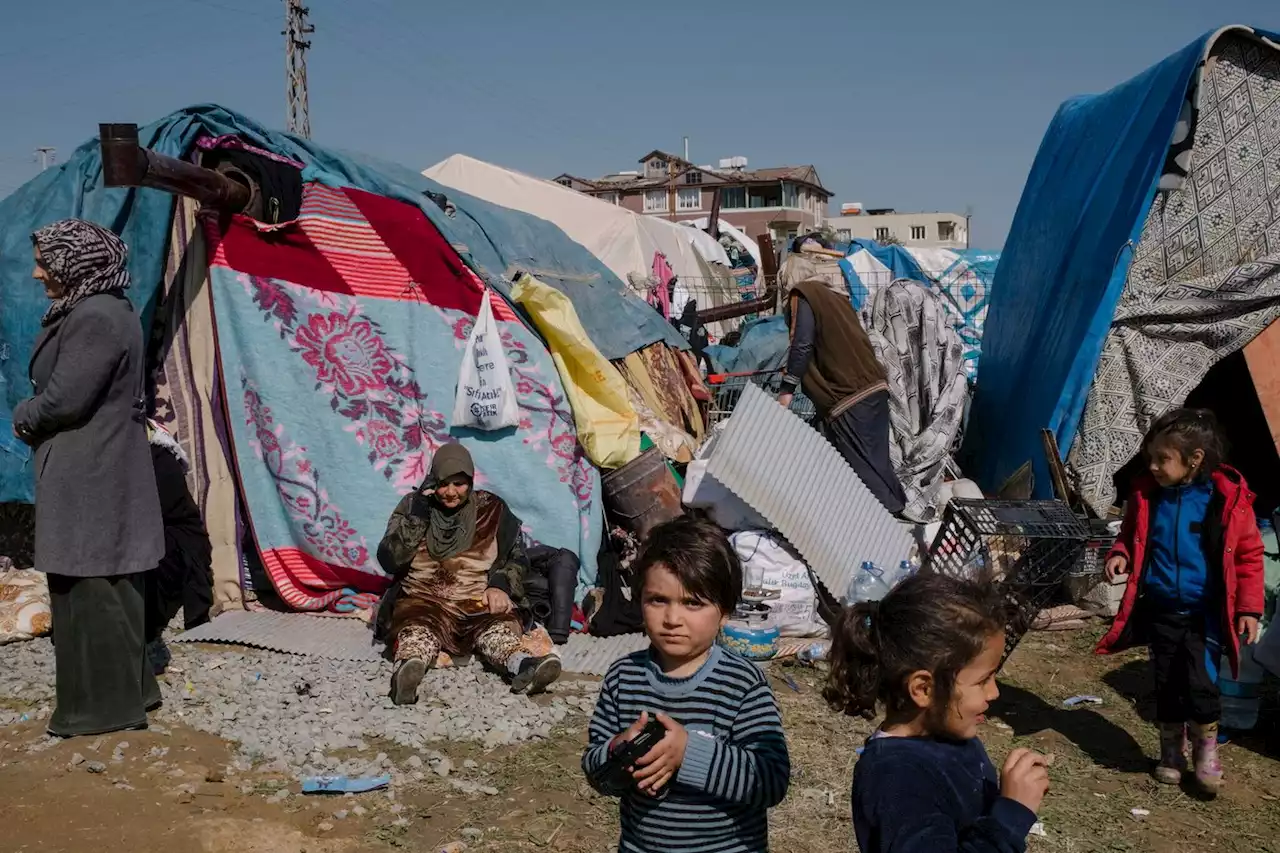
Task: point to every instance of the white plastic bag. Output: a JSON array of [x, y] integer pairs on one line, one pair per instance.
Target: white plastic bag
[[486, 398], [781, 570]]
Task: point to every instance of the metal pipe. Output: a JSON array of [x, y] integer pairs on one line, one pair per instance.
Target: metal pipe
[[740, 309], [126, 164]]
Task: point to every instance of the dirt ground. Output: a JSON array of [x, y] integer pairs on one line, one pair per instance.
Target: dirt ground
[[185, 800]]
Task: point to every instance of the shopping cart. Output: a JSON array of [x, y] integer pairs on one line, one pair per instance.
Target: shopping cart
[[726, 388]]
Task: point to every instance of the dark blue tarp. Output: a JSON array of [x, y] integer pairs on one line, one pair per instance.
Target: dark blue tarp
[[1064, 265], [496, 240]]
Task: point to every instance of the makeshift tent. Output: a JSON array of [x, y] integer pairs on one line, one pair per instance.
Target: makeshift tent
[[368, 297], [961, 278], [624, 241], [1145, 249], [732, 230]]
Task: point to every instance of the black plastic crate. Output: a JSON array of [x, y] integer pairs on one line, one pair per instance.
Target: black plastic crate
[[1027, 548]]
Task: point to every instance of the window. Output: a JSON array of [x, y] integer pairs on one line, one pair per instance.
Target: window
[[655, 201], [655, 168], [917, 232], [844, 235], [790, 197], [690, 199], [882, 234], [693, 178], [946, 230], [733, 198], [565, 182], [611, 198]]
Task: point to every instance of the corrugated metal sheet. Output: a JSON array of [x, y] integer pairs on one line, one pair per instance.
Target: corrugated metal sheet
[[786, 471], [291, 633], [592, 655]]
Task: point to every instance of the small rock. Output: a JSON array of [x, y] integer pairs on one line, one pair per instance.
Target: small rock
[[469, 764], [415, 762], [96, 767], [489, 790], [401, 821], [396, 808], [215, 776], [325, 827], [122, 746], [77, 759], [124, 786], [96, 745], [470, 833], [359, 811], [443, 768], [341, 814], [186, 797]]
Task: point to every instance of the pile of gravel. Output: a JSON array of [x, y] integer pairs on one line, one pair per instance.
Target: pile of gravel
[[292, 713]]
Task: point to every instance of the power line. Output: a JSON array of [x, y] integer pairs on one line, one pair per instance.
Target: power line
[[295, 48]]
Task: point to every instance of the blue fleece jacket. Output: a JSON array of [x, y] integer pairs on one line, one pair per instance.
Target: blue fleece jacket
[[1177, 572], [920, 795]]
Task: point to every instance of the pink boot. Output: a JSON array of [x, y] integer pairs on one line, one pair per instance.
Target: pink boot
[[1173, 754], [1204, 751]]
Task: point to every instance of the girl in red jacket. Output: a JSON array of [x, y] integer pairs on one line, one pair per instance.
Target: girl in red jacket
[[1191, 547]]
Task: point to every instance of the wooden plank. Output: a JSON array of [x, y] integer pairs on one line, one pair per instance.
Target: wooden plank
[[1262, 355]]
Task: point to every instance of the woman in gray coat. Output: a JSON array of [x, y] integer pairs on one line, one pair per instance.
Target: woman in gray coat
[[98, 525]]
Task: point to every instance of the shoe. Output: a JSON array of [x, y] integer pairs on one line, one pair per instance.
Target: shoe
[[159, 656], [535, 674], [405, 680], [1173, 754], [1204, 753]]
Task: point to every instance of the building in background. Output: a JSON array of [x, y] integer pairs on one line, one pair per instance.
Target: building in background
[[917, 230], [782, 202]]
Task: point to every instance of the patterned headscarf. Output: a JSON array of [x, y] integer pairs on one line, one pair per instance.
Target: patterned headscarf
[[85, 258]]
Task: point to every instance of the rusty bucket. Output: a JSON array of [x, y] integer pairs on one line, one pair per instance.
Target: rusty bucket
[[642, 494]]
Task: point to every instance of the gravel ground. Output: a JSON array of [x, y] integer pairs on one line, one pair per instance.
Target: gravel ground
[[308, 716]]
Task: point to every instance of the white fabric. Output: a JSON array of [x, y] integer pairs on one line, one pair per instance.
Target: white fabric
[[795, 611], [733, 231], [486, 399], [624, 241]]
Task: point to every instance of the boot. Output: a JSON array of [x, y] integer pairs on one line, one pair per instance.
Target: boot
[[405, 680], [1204, 751], [1173, 754], [535, 674]]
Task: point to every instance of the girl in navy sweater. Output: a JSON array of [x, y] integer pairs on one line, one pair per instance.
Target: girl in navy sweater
[[929, 653]]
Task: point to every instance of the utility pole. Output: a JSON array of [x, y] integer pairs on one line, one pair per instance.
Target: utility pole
[[47, 156], [295, 52]]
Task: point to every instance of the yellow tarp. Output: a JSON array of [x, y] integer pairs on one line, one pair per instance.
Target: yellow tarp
[[608, 427]]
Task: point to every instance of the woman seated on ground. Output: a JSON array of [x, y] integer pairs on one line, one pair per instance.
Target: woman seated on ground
[[459, 570]]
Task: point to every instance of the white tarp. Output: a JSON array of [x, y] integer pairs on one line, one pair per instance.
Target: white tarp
[[624, 241], [733, 231]]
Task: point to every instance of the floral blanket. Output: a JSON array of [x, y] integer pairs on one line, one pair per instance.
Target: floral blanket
[[340, 338]]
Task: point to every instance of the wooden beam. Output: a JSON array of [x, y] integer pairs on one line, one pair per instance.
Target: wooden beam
[[1262, 355]]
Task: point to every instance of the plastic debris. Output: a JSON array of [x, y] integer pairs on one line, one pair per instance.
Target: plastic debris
[[344, 784], [1037, 828], [1139, 813], [1082, 700]]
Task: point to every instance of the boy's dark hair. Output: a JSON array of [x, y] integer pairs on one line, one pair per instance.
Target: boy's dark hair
[[929, 622], [1189, 430], [699, 554]]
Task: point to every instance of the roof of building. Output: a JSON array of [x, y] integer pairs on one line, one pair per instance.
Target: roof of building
[[807, 175]]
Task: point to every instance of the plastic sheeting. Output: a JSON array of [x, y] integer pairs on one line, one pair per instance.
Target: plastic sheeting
[[496, 240], [1065, 261]]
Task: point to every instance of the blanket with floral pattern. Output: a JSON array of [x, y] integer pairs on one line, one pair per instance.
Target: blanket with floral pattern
[[340, 337]]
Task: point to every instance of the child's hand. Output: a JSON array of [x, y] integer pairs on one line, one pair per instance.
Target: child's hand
[[1248, 627], [1025, 778], [659, 766], [631, 732], [1116, 566]]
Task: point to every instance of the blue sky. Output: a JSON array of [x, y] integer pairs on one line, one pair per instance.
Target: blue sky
[[919, 105]]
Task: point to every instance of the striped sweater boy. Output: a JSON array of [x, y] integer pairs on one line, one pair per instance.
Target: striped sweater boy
[[735, 766]]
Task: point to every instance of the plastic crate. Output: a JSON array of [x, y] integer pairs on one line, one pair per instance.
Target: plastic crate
[[1027, 548]]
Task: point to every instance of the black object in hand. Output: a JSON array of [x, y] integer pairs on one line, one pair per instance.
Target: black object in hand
[[614, 772]]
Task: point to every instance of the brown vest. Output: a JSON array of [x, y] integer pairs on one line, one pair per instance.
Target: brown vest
[[844, 370]]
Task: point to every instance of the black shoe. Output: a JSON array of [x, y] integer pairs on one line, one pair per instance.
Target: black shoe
[[535, 674], [405, 681]]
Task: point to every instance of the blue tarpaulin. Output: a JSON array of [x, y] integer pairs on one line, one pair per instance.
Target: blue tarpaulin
[[1064, 265], [496, 240]]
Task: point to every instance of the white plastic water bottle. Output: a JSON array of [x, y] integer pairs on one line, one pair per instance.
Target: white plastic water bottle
[[868, 584]]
